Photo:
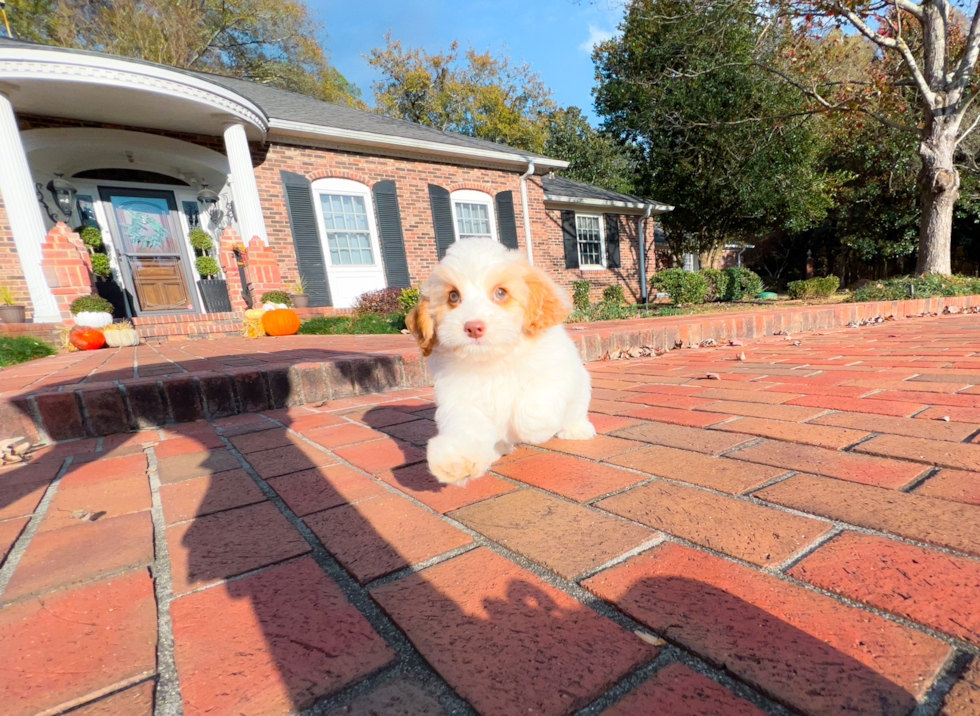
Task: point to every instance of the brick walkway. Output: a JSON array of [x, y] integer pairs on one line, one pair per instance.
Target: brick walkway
[[799, 535]]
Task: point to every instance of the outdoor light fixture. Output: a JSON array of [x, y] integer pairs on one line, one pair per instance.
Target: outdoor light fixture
[[207, 197], [63, 192], [210, 200]]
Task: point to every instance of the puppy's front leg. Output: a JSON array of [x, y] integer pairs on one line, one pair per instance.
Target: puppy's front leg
[[464, 447]]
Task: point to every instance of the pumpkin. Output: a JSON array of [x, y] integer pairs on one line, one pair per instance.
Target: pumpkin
[[85, 338], [281, 322], [254, 313], [120, 337]]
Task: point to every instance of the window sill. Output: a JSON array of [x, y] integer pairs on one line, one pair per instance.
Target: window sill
[[591, 268]]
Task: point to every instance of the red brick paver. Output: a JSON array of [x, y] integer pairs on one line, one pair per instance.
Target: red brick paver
[[675, 690]]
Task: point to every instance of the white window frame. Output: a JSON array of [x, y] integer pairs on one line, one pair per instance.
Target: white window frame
[[346, 187], [690, 262], [602, 243], [472, 196]]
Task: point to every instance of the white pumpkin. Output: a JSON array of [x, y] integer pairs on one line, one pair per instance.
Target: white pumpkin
[[270, 306], [121, 337], [93, 319]]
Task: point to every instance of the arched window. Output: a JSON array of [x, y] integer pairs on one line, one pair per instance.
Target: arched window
[[473, 214], [347, 216]]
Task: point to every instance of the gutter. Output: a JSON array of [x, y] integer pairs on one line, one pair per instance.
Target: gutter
[[558, 199], [642, 237], [527, 219]]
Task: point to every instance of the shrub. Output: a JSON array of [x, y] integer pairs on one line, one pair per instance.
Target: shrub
[[741, 283], [6, 296], [93, 302], [100, 265], [580, 295], [382, 301], [207, 266], [20, 349], [614, 294], [200, 239], [717, 282], [409, 298], [827, 286], [91, 237], [682, 286], [896, 289], [800, 290], [276, 297], [365, 323]]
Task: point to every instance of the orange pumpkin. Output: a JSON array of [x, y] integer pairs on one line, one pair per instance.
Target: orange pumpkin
[[280, 322], [85, 338]]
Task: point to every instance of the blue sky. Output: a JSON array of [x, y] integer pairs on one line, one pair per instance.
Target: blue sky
[[554, 36]]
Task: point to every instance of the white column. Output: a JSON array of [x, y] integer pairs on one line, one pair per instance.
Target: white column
[[248, 208], [24, 214]]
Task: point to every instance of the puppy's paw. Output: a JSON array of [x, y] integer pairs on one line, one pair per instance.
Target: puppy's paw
[[451, 463], [578, 431]]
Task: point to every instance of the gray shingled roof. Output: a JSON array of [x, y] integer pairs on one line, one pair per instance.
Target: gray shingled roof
[[555, 186], [290, 106]]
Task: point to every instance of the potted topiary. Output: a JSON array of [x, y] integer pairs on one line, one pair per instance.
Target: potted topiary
[[272, 300], [9, 311], [92, 311], [298, 293], [213, 288]]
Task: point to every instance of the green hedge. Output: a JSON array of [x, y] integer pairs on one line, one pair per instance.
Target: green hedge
[[717, 281], [364, 323], [20, 349], [580, 295], [682, 286], [899, 288], [813, 287], [741, 283]]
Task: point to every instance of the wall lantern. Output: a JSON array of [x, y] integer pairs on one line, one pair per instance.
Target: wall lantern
[[63, 192], [207, 197]]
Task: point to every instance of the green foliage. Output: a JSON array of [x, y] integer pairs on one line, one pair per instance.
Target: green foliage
[[382, 301], [742, 283], [482, 94], [927, 286], [200, 239], [814, 287], [298, 287], [100, 265], [717, 282], [6, 296], [595, 157], [361, 324], [614, 294], [207, 267], [409, 298], [92, 303], [91, 237], [20, 349], [276, 297], [684, 84], [580, 294], [682, 286]]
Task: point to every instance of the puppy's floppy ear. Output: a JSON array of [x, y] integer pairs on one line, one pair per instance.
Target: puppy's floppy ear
[[419, 322], [546, 305]]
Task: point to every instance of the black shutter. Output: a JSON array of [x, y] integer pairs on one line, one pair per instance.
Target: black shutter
[[442, 218], [506, 224], [390, 230], [612, 240], [570, 237], [306, 237]]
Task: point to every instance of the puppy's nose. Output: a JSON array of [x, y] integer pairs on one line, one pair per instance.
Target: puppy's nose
[[475, 329]]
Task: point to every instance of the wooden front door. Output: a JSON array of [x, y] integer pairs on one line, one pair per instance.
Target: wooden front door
[[150, 246]]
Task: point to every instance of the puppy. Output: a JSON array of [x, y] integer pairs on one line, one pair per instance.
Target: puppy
[[505, 371]]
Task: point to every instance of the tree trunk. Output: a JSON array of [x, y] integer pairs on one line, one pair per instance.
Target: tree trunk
[[939, 187]]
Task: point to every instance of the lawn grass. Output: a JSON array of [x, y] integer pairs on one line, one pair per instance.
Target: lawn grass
[[20, 349]]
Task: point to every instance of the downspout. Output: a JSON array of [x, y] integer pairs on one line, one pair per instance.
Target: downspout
[[527, 220], [643, 249], [739, 257]]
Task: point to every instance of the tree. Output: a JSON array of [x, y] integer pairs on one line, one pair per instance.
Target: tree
[[273, 42], [595, 157], [481, 94], [718, 136]]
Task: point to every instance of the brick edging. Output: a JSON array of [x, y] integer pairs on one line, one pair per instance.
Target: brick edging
[[98, 409]]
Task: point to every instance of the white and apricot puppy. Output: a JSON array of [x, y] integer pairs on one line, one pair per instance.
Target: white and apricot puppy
[[504, 369]]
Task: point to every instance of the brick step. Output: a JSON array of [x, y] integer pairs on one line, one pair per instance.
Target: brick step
[[98, 409]]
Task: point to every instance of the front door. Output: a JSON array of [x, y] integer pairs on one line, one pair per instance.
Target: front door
[[150, 246]]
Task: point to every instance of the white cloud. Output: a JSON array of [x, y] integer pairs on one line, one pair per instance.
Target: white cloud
[[596, 35]]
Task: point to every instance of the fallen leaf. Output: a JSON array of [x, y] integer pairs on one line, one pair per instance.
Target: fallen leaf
[[741, 356], [712, 376], [650, 638]]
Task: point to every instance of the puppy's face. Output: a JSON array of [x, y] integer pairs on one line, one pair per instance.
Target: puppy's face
[[483, 299]]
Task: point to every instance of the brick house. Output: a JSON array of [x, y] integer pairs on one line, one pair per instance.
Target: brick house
[[287, 186]]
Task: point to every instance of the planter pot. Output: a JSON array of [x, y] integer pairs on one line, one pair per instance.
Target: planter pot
[[93, 319], [215, 293], [12, 314], [300, 300]]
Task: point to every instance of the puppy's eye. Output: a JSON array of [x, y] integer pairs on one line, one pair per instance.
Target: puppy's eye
[[500, 294], [454, 296]]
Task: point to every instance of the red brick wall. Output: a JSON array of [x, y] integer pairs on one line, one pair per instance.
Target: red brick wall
[[11, 272]]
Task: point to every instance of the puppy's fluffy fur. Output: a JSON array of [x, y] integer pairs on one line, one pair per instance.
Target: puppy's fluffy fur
[[521, 380]]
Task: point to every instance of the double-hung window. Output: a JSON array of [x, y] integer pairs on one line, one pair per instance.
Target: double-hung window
[[589, 230], [345, 220], [473, 215]]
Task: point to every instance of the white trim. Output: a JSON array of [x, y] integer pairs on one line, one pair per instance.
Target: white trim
[[600, 218], [24, 63], [352, 136], [658, 208], [472, 196]]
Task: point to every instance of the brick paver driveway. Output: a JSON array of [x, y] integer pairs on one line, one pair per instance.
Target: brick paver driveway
[[798, 533]]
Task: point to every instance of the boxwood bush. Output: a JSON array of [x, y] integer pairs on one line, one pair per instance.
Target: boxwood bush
[[276, 297], [928, 286], [717, 282], [814, 287], [682, 286], [93, 302], [741, 283], [364, 323]]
